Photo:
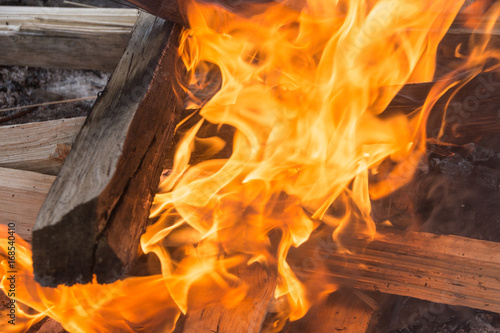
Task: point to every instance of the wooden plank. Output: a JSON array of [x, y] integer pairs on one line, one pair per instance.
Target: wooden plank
[[170, 9], [82, 38], [443, 269], [98, 207], [40, 147], [21, 196], [246, 317]]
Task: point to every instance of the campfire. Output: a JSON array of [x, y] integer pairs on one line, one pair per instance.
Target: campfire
[[298, 123]]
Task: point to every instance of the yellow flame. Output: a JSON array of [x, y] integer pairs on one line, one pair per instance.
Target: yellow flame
[[304, 91], [304, 84], [124, 306]]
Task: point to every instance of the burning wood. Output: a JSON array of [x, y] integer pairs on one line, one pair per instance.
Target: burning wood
[[98, 206], [307, 94], [445, 269], [248, 316]]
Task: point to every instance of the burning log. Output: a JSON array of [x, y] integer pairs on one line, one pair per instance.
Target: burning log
[[98, 207], [444, 269], [40, 147], [22, 194], [82, 38]]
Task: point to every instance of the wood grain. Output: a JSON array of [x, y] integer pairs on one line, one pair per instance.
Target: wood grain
[[98, 207], [51, 37], [40, 147], [343, 311], [21, 195], [444, 269]]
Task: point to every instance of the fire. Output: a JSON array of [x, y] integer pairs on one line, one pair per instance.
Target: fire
[[304, 88]]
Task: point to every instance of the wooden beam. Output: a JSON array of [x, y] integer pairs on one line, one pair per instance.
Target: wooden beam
[[40, 147], [82, 38], [443, 269], [98, 207], [22, 194]]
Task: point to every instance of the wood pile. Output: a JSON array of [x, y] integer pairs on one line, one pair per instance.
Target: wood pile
[[88, 184]]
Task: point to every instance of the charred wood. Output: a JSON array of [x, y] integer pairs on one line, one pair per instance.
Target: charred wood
[[98, 206]]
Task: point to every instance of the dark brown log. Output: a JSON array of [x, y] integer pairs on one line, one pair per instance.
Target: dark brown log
[[47, 325], [98, 207]]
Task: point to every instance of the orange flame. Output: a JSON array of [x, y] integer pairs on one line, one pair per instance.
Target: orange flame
[[304, 91], [124, 306]]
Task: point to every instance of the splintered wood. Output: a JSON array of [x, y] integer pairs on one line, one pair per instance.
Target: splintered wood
[[439, 268], [40, 147]]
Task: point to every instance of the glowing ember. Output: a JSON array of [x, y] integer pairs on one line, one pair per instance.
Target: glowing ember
[[304, 90]]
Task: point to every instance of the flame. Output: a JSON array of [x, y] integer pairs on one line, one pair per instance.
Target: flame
[[304, 85], [124, 306], [304, 91]]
